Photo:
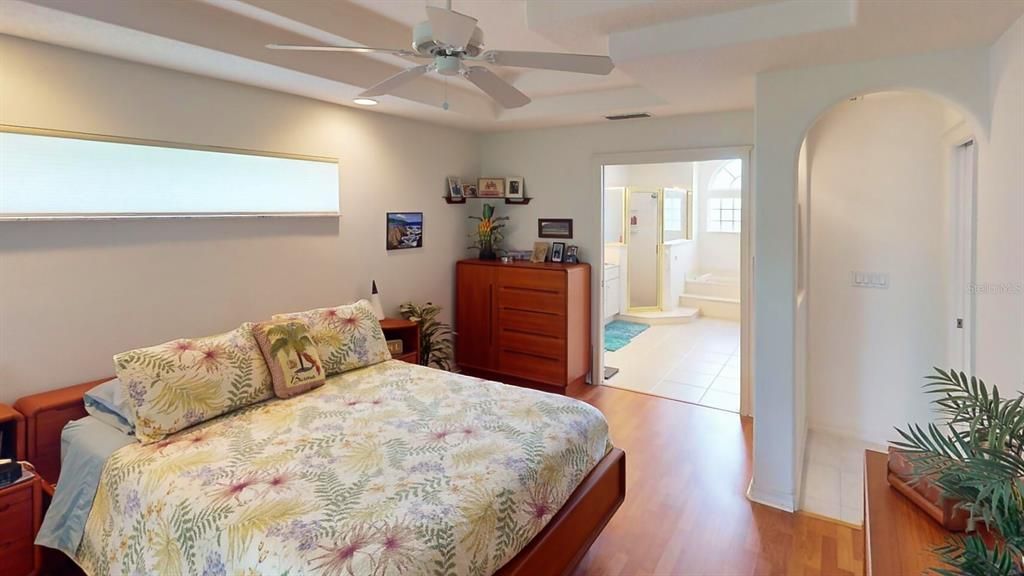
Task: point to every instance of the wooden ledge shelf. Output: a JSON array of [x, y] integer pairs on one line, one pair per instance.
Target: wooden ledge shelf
[[898, 536], [509, 201]]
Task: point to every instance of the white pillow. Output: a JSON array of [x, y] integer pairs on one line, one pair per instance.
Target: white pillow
[[108, 403]]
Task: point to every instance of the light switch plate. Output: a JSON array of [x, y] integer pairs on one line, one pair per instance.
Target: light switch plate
[[878, 280]]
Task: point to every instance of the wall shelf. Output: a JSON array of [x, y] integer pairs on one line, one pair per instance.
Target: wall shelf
[[511, 201]]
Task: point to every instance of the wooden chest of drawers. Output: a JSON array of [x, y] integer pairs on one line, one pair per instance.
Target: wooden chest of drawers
[[20, 515], [523, 323]]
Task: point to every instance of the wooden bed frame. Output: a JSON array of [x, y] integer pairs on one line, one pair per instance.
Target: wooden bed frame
[[556, 550]]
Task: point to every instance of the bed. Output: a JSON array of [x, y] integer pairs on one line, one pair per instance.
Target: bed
[[389, 469]]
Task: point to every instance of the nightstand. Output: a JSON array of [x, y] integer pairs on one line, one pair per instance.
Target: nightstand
[[20, 516], [12, 433], [408, 332]]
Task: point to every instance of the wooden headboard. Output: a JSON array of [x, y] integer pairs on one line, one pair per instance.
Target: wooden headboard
[[46, 414]]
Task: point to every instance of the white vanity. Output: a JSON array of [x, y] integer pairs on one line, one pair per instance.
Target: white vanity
[[612, 292]]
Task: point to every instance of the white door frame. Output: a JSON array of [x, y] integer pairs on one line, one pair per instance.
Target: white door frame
[[963, 230], [595, 245]]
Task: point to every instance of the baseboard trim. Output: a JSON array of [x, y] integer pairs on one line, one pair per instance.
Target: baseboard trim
[[779, 500]]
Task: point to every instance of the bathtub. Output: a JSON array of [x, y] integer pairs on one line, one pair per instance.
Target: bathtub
[[711, 284], [715, 295]]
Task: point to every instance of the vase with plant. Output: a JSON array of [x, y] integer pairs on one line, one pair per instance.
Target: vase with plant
[[488, 232], [435, 336], [976, 456]]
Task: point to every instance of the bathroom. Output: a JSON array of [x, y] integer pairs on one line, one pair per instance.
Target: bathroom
[[671, 279]]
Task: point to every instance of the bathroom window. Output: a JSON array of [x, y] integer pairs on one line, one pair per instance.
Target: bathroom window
[[724, 214], [729, 176]]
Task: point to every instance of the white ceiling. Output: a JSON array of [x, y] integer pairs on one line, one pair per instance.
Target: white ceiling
[[671, 56]]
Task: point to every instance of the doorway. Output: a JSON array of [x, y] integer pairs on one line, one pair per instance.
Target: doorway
[[963, 189], [672, 277]]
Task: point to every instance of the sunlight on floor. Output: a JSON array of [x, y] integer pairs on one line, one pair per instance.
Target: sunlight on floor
[[698, 362]]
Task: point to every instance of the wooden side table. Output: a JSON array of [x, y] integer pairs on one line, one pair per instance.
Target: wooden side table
[[408, 332], [20, 516]]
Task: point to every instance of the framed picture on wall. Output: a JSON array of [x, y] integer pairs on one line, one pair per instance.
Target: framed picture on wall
[[554, 227], [405, 230]]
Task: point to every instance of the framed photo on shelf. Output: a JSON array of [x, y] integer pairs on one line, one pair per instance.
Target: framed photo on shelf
[[572, 254], [454, 188], [540, 252], [405, 230], [557, 251], [554, 227], [515, 188], [491, 187], [469, 190]]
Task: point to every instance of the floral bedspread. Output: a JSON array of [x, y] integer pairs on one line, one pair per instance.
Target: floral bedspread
[[390, 469]]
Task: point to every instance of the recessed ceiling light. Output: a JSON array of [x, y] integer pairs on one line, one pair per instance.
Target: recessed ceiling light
[[365, 101]]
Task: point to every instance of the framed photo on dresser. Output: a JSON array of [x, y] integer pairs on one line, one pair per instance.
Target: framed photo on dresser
[[557, 251]]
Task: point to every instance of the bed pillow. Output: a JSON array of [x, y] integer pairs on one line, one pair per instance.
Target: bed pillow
[[291, 356], [108, 403], [184, 382], [347, 337]]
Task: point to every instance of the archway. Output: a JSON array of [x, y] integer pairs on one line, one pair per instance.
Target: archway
[[787, 104], [876, 239]]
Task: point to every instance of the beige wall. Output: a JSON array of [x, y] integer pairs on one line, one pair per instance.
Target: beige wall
[[72, 294]]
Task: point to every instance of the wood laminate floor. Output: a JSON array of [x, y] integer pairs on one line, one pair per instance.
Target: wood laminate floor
[[686, 511]]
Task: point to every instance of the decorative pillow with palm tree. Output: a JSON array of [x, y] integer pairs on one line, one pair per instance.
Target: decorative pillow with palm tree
[[291, 356], [184, 382], [347, 337]]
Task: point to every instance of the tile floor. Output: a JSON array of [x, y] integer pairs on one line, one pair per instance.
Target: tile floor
[[697, 362], [834, 476]]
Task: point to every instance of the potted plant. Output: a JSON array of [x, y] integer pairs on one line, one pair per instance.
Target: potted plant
[[435, 336], [488, 232], [976, 455]]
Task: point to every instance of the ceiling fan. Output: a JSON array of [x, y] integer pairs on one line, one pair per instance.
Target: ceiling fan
[[450, 39]]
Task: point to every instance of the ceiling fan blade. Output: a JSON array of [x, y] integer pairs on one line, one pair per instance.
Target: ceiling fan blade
[[387, 86], [505, 93], [450, 27], [357, 49], [582, 63]]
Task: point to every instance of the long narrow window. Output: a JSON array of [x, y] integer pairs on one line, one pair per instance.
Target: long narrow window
[[46, 174]]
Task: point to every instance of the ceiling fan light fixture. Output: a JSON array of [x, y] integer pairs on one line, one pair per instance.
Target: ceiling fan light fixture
[[449, 39]]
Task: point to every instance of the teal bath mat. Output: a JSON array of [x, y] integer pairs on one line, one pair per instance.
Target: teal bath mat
[[618, 333]]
